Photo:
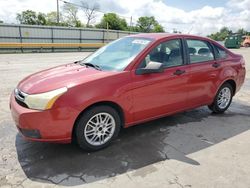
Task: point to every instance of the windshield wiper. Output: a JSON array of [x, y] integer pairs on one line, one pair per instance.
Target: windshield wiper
[[90, 65]]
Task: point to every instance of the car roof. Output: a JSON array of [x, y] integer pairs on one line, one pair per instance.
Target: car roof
[[158, 36]]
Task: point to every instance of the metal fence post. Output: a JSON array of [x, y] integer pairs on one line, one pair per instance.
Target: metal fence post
[[80, 39], [103, 36], [20, 37], [80, 35], [52, 38]]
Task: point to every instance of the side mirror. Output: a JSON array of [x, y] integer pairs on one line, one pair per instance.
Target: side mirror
[[152, 67]]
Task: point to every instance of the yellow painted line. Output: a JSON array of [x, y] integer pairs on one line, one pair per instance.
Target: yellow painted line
[[41, 45]]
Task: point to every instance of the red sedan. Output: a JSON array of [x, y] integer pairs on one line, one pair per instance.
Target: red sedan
[[131, 80]]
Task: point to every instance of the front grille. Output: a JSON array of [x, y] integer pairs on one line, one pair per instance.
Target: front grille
[[19, 97]]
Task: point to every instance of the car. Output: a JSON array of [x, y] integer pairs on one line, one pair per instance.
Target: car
[[246, 41], [129, 81]]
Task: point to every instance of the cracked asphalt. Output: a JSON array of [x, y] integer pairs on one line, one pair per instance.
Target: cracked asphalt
[[190, 149]]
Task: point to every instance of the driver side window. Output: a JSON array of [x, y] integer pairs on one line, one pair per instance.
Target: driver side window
[[168, 53]]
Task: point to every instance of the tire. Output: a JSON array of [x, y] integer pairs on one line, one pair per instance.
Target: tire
[[219, 105], [97, 127]]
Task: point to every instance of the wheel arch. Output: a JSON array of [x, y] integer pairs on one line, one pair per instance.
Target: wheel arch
[[231, 82], [101, 103]]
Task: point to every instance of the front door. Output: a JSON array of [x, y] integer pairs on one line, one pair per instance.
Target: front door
[[157, 94]]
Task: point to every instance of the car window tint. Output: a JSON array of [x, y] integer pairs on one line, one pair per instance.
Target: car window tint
[[168, 53], [220, 53], [199, 51]]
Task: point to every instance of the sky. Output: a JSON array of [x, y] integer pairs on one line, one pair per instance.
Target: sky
[[194, 4], [200, 17]]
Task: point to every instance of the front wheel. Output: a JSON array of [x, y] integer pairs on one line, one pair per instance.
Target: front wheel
[[222, 99], [97, 127]]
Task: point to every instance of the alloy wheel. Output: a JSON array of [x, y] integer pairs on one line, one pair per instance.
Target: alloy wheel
[[99, 129], [224, 98]]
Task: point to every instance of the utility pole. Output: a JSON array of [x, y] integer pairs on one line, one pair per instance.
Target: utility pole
[[130, 24], [107, 32], [57, 1]]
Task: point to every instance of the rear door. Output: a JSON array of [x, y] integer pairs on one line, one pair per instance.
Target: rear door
[[204, 72]]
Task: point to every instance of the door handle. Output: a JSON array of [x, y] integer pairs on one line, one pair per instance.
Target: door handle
[[216, 65], [179, 72]]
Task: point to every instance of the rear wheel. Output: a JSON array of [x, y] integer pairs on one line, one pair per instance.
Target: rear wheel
[[222, 99], [97, 127]]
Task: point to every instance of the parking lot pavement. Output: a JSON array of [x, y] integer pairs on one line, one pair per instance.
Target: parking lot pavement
[[190, 149]]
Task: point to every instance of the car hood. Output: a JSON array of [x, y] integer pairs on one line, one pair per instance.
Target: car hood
[[67, 75]]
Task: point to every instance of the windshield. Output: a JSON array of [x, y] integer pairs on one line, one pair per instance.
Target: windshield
[[117, 54]]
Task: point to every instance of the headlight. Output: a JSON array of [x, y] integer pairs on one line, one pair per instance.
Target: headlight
[[43, 101]]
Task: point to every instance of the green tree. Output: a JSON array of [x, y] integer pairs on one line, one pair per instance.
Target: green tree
[[51, 18], [243, 32], [41, 19], [148, 24], [113, 21], [221, 35], [224, 32], [159, 28], [31, 17], [1, 21], [133, 28], [70, 11], [27, 17]]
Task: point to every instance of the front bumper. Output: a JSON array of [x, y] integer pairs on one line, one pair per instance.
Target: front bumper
[[54, 125]]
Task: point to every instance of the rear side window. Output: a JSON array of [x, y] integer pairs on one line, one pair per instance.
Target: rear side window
[[220, 53], [199, 51]]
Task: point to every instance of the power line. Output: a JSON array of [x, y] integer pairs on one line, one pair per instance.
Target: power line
[[82, 6]]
